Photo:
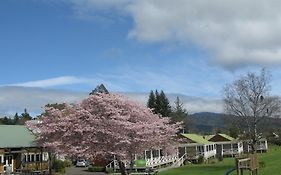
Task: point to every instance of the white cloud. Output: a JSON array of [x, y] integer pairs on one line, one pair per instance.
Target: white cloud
[[16, 99], [58, 81], [234, 32]]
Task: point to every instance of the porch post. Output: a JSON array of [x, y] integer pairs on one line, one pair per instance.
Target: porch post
[[145, 155], [222, 149], [40, 157]]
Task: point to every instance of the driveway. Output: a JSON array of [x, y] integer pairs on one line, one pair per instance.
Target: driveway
[[80, 171]]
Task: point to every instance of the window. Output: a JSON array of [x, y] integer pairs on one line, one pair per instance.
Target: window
[[32, 158], [147, 154], [155, 153], [161, 153], [28, 158], [24, 158], [37, 158], [201, 148]]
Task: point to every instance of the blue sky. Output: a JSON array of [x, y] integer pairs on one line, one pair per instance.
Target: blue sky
[[137, 46]]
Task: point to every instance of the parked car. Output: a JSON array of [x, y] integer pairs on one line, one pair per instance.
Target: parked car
[[81, 163]]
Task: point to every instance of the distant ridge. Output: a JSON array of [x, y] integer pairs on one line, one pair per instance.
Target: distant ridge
[[208, 121]]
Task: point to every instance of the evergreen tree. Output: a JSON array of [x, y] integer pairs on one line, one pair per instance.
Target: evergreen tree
[[159, 103], [24, 117], [164, 105], [157, 109], [179, 114], [151, 103], [7, 121], [16, 119]]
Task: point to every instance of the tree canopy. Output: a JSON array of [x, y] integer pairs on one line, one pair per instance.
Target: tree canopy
[[249, 102], [17, 119], [159, 103], [180, 114], [104, 125]]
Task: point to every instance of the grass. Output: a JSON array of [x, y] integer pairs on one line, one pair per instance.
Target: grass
[[272, 161]]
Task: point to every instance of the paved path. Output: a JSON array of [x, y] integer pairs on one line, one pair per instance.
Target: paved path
[[80, 171]]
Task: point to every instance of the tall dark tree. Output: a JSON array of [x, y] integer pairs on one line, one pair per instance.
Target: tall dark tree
[[157, 109], [151, 103], [16, 119], [165, 107], [159, 103], [24, 117], [180, 114]]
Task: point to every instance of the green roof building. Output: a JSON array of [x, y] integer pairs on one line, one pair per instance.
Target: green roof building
[[19, 151], [193, 146]]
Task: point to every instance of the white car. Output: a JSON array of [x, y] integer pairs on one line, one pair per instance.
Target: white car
[[81, 163]]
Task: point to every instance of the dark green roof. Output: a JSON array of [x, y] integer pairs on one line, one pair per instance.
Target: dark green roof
[[196, 138], [13, 136], [227, 137]]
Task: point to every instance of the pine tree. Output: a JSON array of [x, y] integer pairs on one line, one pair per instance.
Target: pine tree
[[179, 114], [24, 117], [165, 108], [16, 119], [159, 103], [151, 103]]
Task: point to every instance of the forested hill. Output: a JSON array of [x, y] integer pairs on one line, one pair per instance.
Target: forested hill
[[207, 122]]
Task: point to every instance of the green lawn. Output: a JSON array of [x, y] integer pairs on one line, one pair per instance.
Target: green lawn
[[272, 161]]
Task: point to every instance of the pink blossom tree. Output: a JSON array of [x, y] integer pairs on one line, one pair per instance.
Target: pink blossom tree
[[104, 125]]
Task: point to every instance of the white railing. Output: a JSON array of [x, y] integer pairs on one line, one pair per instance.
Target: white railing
[[112, 165], [230, 151], [179, 162], [209, 154], [261, 147], [154, 162], [160, 160]]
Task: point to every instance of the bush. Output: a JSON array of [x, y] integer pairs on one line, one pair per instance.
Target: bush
[[67, 163], [59, 166], [220, 158], [96, 169], [110, 170], [213, 161], [200, 159]]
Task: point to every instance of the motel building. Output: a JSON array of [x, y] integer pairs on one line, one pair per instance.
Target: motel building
[[19, 153]]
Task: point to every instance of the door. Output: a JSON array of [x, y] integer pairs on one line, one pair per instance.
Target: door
[[8, 163]]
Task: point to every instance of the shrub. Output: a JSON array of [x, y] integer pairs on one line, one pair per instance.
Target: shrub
[[96, 168], [220, 158], [67, 163], [200, 159], [213, 161], [110, 170], [59, 166]]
